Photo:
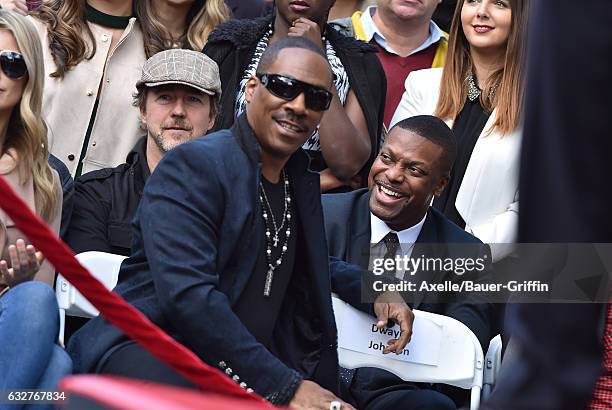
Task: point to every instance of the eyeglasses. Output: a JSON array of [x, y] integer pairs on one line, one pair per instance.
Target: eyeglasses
[[287, 88], [13, 64]]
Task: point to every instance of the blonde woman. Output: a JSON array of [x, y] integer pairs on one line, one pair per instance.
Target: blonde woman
[[479, 93], [29, 320], [93, 53], [179, 24]]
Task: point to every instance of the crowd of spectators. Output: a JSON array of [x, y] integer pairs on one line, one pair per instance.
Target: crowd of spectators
[[407, 116]]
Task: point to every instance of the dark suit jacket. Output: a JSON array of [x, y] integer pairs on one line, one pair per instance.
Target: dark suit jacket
[[347, 227], [196, 237]]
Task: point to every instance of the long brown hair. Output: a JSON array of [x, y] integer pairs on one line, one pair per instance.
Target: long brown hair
[[202, 18], [67, 27], [27, 133], [504, 88]]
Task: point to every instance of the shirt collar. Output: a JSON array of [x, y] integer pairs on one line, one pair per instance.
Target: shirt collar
[[371, 31], [379, 229]]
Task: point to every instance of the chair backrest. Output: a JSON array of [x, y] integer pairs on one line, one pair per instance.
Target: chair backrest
[[492, 365], [104, 267], [459, 355]]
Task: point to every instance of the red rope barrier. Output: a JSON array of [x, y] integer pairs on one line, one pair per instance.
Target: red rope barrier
[[116, 310], [128, 394]]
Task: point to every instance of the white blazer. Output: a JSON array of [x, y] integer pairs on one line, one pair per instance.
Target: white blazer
[[488, 196]]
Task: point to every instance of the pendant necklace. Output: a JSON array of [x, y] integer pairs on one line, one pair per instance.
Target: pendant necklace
[[272, 238]]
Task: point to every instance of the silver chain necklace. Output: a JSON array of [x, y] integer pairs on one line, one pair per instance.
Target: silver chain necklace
[[272, 240], [286, 214]]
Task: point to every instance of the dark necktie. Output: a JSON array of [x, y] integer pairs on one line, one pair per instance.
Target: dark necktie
[[392, 244]]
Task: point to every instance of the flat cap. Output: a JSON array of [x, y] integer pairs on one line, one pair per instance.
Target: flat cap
[[180, 66]]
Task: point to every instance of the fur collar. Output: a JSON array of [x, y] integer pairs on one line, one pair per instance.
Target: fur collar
[[245, 33]]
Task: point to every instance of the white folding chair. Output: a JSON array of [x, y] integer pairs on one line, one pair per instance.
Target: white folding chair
[[492, 365], [104, 267], [459, 362]]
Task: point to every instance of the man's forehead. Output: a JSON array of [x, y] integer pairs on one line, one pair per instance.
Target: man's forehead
[[402, 141], [304, 65], [400, 136], [165, 88]]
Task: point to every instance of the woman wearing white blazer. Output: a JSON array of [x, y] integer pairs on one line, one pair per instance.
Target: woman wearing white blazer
[[479, 93]]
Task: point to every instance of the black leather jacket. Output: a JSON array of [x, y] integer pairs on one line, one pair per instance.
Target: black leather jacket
[[105, 202]]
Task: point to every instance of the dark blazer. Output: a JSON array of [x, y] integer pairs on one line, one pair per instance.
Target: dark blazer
[[232, 45], [197, 234], [347, 227]]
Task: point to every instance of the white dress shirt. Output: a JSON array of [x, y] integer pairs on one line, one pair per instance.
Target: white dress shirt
[[371, 31], [407, 237]]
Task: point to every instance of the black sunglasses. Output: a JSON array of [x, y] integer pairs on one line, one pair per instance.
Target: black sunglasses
[[13, 64], [287, 88]]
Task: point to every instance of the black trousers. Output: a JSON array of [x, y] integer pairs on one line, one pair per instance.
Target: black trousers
[[371, 389], [376, 389], [130, 360]]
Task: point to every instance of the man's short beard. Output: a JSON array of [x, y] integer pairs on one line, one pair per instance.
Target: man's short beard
[[164, 146]]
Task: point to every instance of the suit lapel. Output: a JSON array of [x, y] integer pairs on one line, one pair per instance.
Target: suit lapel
[[428, 238], [359, 232]]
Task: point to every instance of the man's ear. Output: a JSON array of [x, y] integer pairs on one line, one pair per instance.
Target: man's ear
[[143, 118], [213, 116], [441, 185], [250, 89]]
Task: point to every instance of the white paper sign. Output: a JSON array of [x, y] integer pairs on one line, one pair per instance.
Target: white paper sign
[[359, 333]]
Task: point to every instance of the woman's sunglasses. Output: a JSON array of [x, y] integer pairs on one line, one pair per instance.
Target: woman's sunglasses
[[13, 64], [287, 88]]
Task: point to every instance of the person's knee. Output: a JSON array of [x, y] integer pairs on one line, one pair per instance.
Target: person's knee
[[34, 290], [437, 401], [33, 306], [60, 365], [430, 400], [413, 399], [61, 361]]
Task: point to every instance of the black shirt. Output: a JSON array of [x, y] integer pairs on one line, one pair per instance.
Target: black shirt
[[467, 129], [105, 202], [257, 312]]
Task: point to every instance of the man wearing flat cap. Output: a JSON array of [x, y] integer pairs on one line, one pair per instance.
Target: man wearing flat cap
[[178, 96]]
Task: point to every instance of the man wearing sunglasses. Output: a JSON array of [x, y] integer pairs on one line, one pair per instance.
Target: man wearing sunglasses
[[345, 144], [229, 253]]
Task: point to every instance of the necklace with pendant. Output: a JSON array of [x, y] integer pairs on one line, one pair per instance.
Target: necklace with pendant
[[272, 238]]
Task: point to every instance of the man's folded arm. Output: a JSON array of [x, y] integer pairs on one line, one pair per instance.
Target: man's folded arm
[[352, 284]]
